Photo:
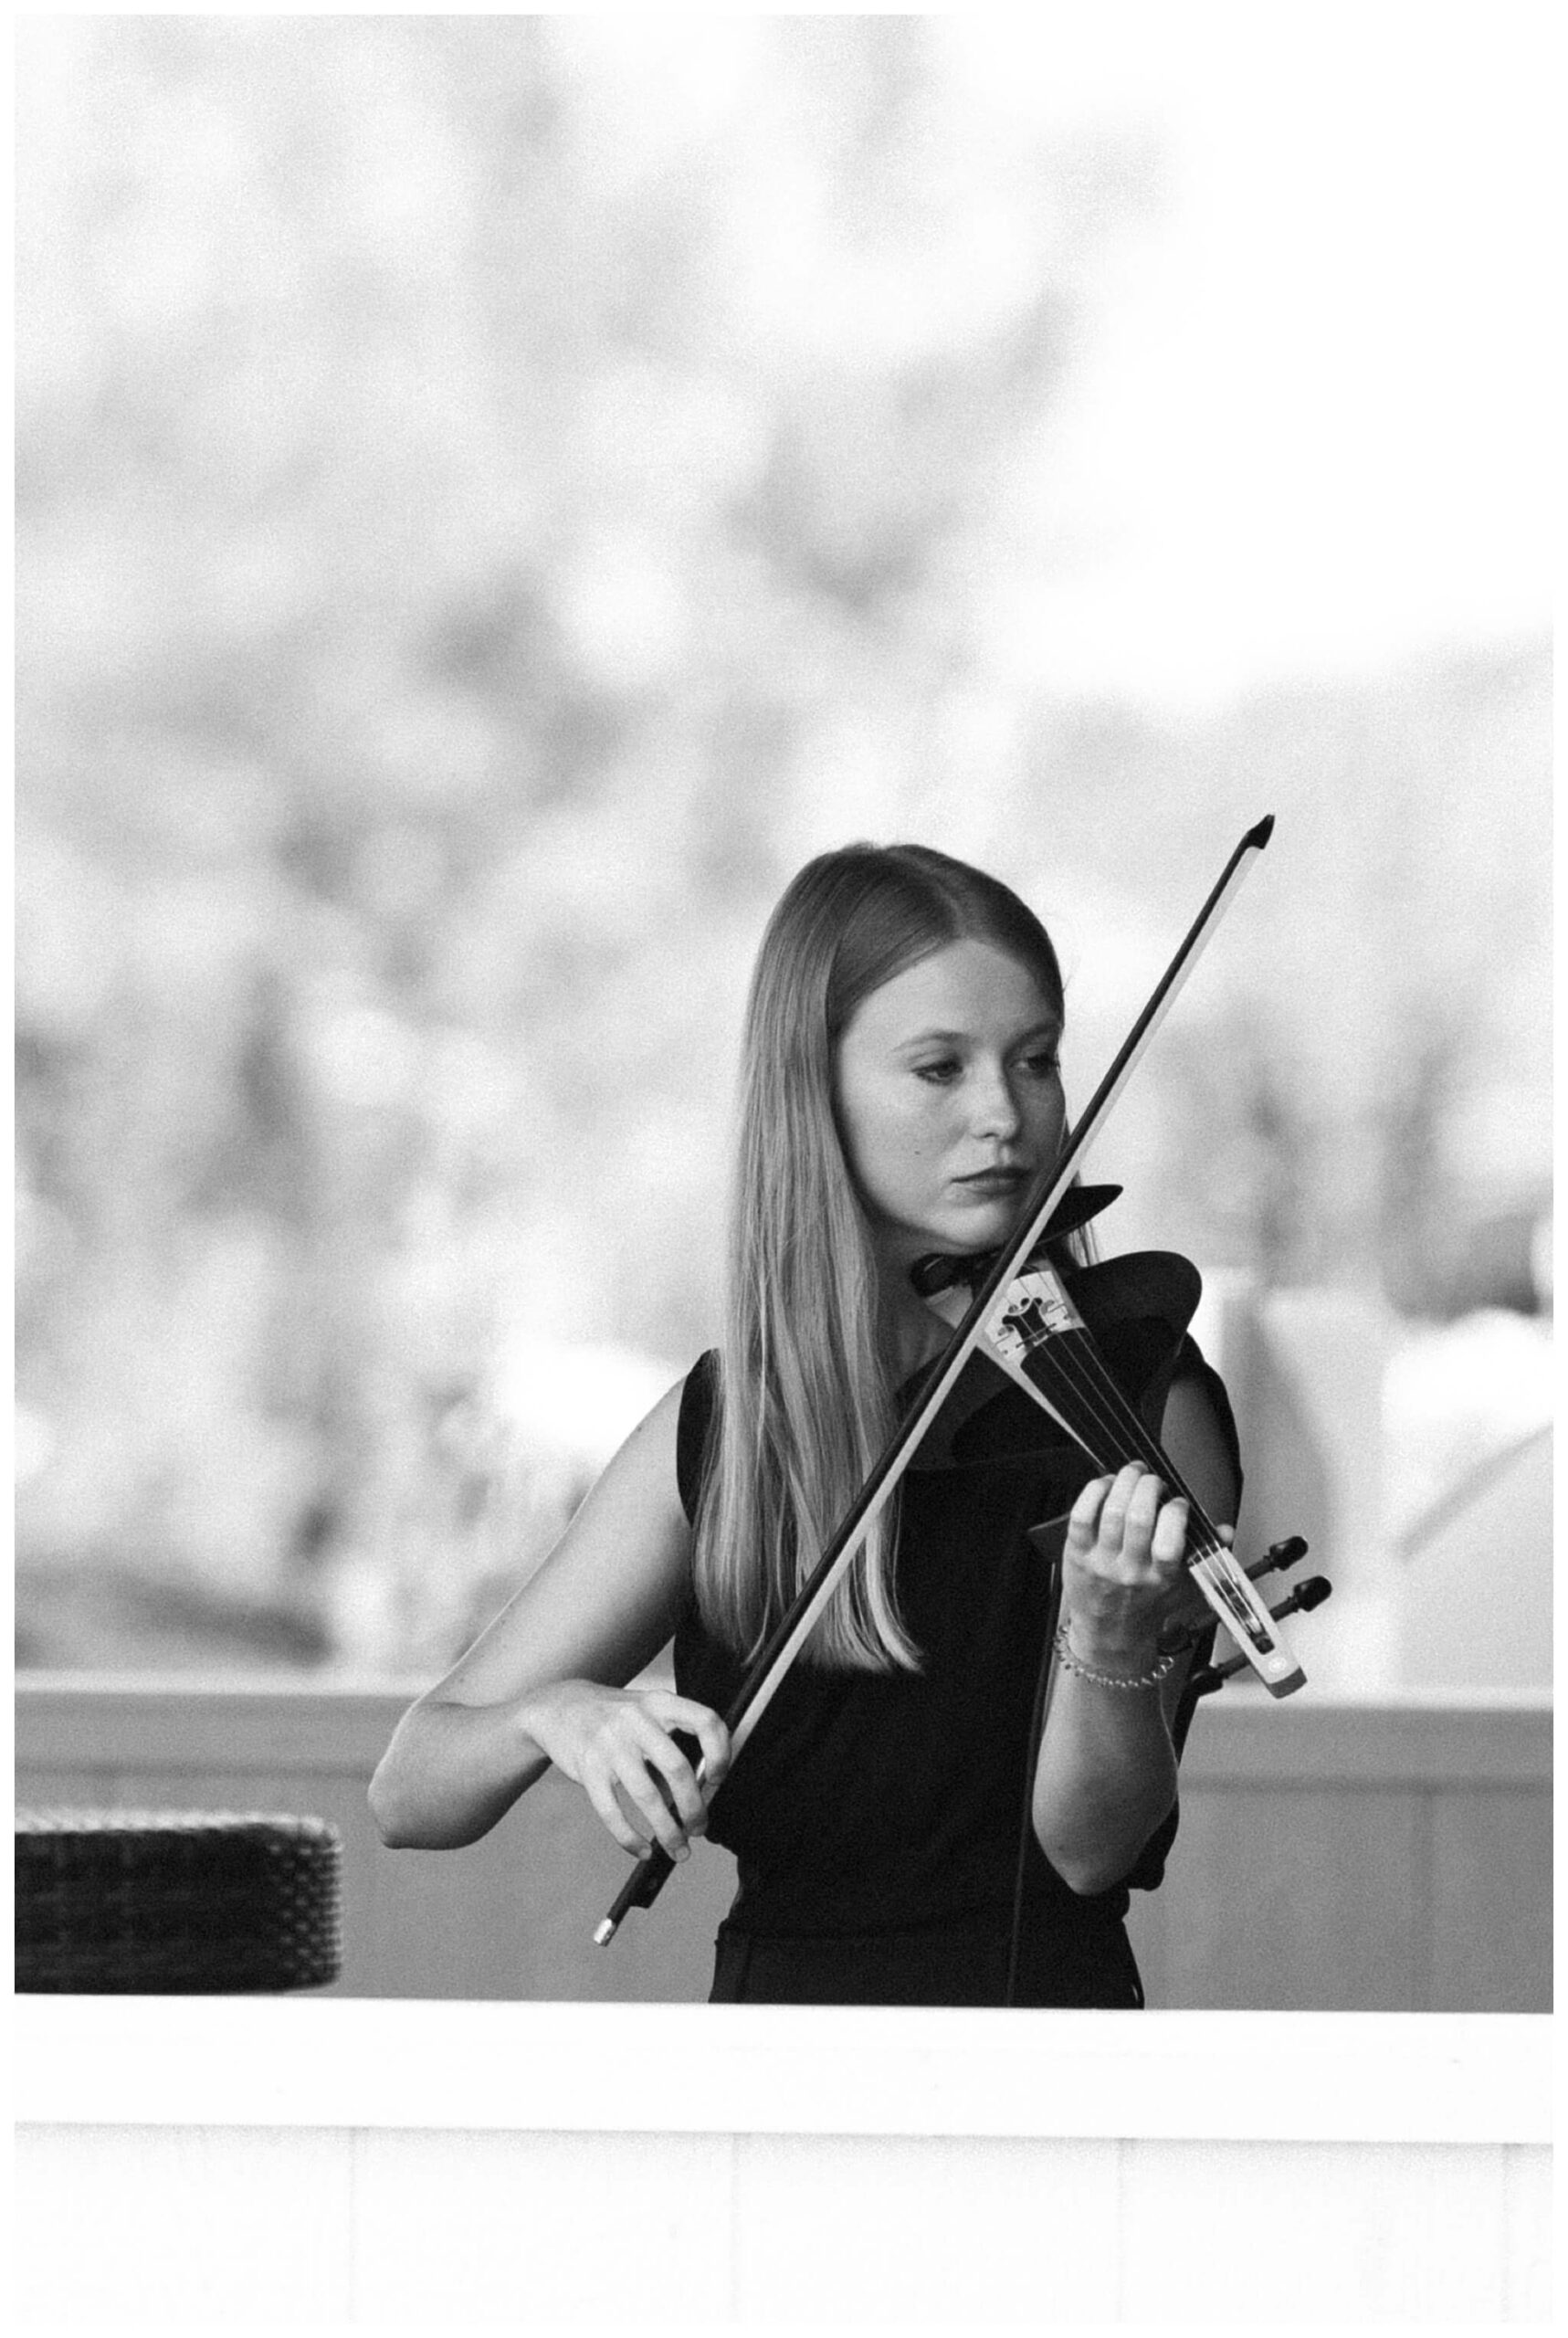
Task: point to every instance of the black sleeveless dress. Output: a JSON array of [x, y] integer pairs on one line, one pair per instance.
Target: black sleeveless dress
[[878, 1820]]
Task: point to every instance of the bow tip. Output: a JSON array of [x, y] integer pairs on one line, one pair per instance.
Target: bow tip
[[1259, 836]]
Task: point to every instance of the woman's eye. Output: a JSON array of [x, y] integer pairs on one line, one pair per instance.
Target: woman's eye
[[1046, 1065], [947, 1069]]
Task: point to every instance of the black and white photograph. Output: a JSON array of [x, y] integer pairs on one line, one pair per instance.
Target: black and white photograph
[[783, 1172]]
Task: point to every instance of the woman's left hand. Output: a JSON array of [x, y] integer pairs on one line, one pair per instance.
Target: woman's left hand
[[1123, 1582]]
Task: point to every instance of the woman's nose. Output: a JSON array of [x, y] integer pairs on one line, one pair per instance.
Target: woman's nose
[[994, 1107]]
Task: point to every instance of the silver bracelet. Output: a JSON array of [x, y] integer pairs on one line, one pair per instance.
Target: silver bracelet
[[1071, 1663]]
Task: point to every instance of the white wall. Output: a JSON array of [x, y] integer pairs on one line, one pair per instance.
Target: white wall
[[300, 2161]]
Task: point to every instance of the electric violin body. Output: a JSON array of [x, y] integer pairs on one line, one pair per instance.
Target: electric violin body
[[1137, 1308], [1096, 1350]]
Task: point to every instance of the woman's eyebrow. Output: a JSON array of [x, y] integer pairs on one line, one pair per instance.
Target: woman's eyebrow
[[1049, 1025]]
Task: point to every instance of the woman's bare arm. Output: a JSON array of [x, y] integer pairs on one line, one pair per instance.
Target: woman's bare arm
[[1107, 1771], [546, 1682]]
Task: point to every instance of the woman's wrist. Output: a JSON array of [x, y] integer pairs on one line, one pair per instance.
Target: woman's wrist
[[1104, 1649], [531, 1718], [1150, 1677]]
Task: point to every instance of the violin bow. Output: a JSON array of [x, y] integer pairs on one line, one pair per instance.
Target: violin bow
[[773, 1661]]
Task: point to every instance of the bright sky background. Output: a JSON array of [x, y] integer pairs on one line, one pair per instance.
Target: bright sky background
[[1314, 430]]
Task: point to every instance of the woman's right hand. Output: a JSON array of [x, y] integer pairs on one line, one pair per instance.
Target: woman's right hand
[[617, 1744]]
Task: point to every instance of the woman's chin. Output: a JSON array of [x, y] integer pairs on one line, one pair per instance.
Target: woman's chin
[[979, 1226], [959, 1233], [987, 1220]]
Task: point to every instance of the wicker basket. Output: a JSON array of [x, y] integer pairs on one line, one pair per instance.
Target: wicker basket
[[176, 1902]]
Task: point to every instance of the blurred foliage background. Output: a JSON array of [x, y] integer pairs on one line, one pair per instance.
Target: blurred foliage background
[[495, 494]]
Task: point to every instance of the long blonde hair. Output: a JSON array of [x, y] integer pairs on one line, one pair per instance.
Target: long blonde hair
[[803, 1401]]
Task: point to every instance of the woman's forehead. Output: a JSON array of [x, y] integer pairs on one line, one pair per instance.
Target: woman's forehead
[[968, 987]]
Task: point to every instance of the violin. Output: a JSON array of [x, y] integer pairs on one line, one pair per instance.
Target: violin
[[1021, 1317], [1043, 1343], [1095, 1347]]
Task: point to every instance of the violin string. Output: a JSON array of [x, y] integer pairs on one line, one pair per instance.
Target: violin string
[[1099, 1399], [1144, 1447], [1077, 1367], [1102, 1446], [1089, 1373], [1044, 1345], [1072, 1360]]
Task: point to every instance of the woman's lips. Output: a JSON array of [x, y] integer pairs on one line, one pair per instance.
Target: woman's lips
[[987, 1182]]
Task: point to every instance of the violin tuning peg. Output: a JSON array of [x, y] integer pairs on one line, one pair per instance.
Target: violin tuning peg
[[1280, 1556], [1309, 1594]]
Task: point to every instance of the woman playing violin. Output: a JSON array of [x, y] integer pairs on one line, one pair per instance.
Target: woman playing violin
[[908, 1829]]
